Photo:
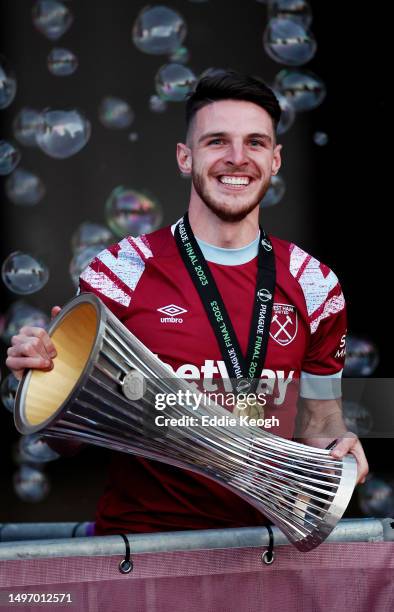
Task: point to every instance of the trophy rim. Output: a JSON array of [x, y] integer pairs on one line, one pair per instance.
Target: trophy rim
[[20, 420]]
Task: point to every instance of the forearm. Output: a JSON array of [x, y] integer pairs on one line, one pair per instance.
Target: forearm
[[316, 427]]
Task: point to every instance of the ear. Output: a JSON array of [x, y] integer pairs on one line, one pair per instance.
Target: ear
[[184, 158], [276, 160]]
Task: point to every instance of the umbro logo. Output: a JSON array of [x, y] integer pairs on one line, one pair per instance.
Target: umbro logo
[[172, 311]]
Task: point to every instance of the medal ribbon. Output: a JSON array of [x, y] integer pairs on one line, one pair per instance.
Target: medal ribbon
[[242, 370]]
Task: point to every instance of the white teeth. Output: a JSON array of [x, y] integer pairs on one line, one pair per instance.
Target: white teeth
[[235, 180]]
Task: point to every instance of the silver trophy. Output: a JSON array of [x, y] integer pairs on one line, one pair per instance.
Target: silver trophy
[[102, 391]]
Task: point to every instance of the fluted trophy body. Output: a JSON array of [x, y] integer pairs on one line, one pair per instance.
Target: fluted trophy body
[[102, 390]]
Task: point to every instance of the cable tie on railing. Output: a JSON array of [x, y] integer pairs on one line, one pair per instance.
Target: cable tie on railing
[[74, 531], [268, 556], [126, 565]]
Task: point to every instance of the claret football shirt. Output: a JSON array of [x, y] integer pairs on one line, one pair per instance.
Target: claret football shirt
[[145, 283]]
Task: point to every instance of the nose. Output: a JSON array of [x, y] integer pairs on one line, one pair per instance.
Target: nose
[[236, 154]]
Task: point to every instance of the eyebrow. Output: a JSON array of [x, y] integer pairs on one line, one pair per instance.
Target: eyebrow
[[265, 137]]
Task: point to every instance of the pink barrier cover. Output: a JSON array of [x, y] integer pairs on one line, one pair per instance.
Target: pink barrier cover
[[351, 577]]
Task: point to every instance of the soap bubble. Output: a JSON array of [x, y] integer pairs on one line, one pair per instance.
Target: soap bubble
[[115, 113], [90, 234], [63, 133], [376, 497], [320, 138], [24, 187], [362, 357], [288, 42], [51, 18], [30, 484], [298, 10], [9, 157], [133, 137], [24, 274], [20, 314], [62, 62], [304, 89], [275, 192], [7, 83], [174, 82], [25, 126], [158, 30], [82, 259], [180, 55], [288, 113], [34, 449], [157, 105], [357, 417], [130, 212], [9, 388]]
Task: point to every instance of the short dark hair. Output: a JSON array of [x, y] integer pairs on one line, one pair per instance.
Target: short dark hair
[[218, 84]]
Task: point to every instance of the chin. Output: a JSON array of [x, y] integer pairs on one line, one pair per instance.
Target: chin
[[230, 207], [231, 212]]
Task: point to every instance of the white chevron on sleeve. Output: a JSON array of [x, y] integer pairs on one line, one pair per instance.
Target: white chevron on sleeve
[[143, 247], [332, 306], [105, 286], [127, 265], [315, 286]]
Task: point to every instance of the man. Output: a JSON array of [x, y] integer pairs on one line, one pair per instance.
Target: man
[[153, 285]]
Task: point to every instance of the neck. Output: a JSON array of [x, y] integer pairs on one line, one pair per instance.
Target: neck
[[229, 235]]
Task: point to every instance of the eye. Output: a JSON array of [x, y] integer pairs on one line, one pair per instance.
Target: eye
[[256, 143], [215, 141]]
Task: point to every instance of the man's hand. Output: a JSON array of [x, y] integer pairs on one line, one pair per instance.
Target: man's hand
[[319, 422], [351, 444], [32, 347]]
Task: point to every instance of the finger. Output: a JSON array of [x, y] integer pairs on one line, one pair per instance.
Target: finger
[[55, 311], [43, 337], [31, 347], [362, 463], [18, 339], [344, 446], [353, 445], [17, 364]]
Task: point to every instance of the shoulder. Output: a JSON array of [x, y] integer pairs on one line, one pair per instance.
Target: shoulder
[[137, 248], [116, 270], [130, 252], [319, 284]]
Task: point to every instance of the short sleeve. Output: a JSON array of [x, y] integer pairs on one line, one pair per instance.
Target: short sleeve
[[325, 354], [323, 365]]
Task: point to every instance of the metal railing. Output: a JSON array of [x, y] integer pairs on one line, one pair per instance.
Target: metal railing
[[36, 540]]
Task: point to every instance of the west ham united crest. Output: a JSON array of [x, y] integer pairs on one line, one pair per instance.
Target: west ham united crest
[[284, 323]]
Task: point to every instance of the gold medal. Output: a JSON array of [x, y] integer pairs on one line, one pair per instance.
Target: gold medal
[[248, 406]]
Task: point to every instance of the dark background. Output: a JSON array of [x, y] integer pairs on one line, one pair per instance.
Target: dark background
[[335, 205]]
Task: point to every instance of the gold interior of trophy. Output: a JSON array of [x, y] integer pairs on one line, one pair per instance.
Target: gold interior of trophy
[[73, 339]]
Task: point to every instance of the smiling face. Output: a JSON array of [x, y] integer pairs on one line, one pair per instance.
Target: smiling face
[[231, 155]]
